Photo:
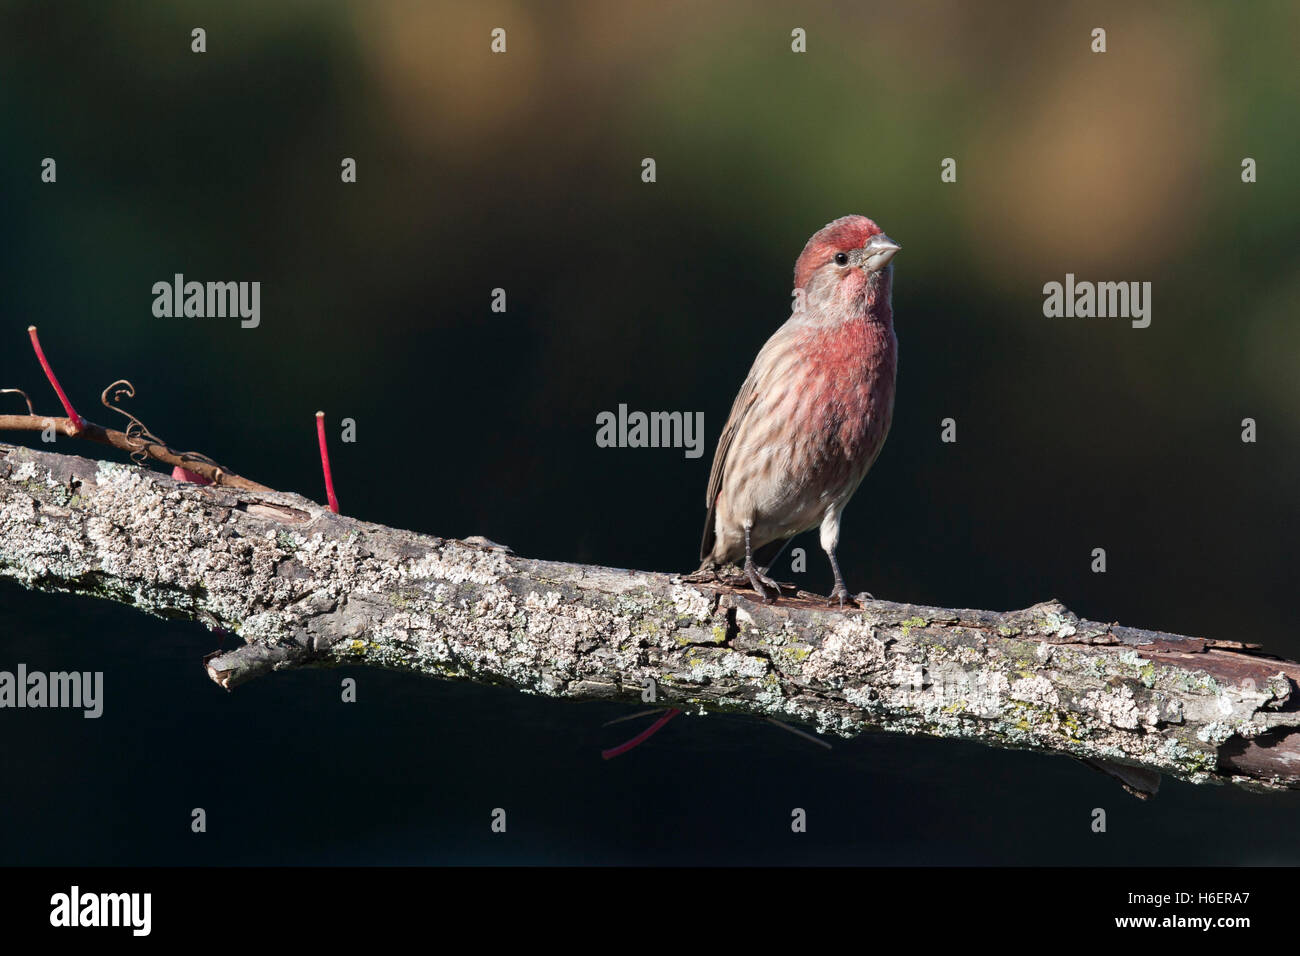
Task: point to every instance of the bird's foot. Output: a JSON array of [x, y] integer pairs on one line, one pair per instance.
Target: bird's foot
[[842, 596], [767, 589], [734, 576]]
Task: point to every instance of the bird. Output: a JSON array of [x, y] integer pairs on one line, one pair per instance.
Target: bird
[[813, 413]]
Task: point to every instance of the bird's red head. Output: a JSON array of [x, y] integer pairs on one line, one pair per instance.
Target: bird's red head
[[843, 243], [843, 235]]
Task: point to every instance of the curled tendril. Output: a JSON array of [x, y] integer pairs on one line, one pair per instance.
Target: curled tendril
[[138, 433], [19, 391]]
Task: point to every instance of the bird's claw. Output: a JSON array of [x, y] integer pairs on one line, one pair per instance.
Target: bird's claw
[[842, 595], [760, 583]]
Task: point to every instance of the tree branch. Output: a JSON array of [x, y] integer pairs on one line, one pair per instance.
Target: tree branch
[[132, 445], [137, 440], [304, 587]]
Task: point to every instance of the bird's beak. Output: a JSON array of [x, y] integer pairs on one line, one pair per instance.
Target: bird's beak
[[879, 250]]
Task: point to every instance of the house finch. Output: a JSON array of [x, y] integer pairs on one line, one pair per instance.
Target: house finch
[[814, 411]]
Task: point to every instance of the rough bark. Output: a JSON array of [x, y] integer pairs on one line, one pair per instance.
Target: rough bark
[[304, 587]]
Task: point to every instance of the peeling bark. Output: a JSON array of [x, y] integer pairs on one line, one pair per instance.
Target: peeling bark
[[304, 587]]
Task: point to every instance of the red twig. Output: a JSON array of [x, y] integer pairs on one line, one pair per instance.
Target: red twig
[[642, 737], [325, 462], [77, 420]]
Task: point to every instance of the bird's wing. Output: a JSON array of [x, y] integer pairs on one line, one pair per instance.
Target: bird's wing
[[749, 392], [739, 408], [742, 404]]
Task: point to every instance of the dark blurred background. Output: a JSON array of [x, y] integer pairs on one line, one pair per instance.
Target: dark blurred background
[[522, 171]]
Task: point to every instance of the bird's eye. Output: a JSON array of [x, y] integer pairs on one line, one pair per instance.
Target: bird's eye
[[841, 258]]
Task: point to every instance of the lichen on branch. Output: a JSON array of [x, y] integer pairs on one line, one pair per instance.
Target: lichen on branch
[[305, 587]]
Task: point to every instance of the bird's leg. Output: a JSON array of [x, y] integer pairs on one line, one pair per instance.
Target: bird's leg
[[839, 592], [756, 580]]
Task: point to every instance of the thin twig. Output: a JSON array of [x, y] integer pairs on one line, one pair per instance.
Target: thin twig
[[642, 737], [77, 421], [798, 733], [639, 713], [137, 440], [123, 442], [325, 462], [19, 391]]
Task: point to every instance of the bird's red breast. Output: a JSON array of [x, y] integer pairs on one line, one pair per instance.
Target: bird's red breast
[[849, 385]]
